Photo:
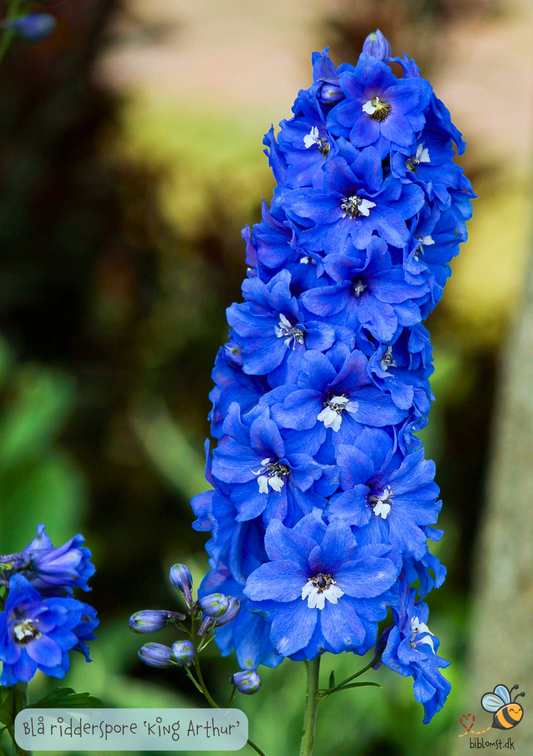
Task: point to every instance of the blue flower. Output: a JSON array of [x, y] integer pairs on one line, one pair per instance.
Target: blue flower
[[369, 292], [428, 162], [84, 630], [319, 591], [33, 28], [49, 568], [354, 201], [304, 142], [326, 88], [386, 497], [411, 651], [379, 109], [271, 331], [270, 249], [36, 633], [232, 384], [334, 393], [403, 369], [267, 476]]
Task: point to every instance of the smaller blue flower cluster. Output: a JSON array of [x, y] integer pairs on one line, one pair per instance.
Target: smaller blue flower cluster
[[323, 503], [41, 621]]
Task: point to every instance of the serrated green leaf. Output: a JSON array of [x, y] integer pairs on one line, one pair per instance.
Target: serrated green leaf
[[67, 698], [332, 679]]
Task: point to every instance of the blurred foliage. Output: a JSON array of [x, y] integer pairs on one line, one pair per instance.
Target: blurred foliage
[[37, 476], [121, 250]]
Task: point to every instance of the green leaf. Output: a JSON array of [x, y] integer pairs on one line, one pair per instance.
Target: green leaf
[[332, 679], [6, 714], [35, 414], [67, 698], [170, 449]]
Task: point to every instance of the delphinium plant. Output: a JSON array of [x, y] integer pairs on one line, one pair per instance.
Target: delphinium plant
[[322, 503], [41, 622]]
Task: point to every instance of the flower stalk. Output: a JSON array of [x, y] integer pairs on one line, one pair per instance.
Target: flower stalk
[[311, 707]]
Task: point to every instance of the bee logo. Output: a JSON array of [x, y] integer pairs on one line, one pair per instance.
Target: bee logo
[[507, 713]]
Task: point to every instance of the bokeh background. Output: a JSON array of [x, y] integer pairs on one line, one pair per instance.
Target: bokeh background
[[131, 158]]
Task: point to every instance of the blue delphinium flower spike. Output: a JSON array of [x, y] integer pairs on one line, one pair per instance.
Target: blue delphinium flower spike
[[323, 503]]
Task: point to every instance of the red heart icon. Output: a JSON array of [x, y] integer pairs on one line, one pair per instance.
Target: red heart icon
[[466, 717]]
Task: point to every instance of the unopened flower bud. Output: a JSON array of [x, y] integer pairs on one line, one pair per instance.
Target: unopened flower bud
[[181, 578], [378, 46], [214, 605], [150, 621], [35, 27], [232, 611], [207, 625], [156, 655], [183, 653], [246, 682], [330, 93]]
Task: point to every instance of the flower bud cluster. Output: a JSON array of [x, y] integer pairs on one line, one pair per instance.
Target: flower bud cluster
[[209, 612], [41, 621], [322, 502]]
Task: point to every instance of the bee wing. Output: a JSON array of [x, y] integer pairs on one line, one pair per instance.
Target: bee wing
[[503, 692], [492, 702]]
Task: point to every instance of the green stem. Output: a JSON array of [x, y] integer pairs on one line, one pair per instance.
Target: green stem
[[208, 696], [231, 701], [357, 674], [311, 706], [206, 693]]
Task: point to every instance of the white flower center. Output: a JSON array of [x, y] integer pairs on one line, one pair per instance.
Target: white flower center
[[306, 260], [358, 287], [417, 628], [423, 241], [355, 206], [284, 330], [377, 109], [271, 474], [331, 415], [314, 138], [387, 360], [318, 589], [25, 631], [421, 156], [381, 503]]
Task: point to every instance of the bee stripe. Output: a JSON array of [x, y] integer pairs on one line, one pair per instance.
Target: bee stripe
[[505, 719]]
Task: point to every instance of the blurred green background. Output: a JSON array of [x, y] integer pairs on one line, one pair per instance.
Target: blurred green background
[[131, 159]]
